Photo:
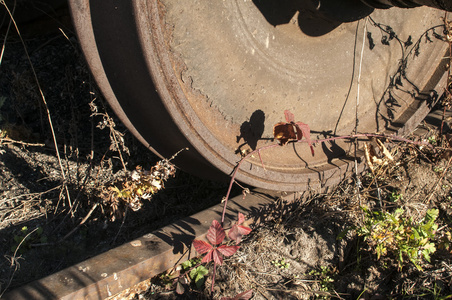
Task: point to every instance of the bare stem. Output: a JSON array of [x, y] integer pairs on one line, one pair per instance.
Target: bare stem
[[213, 277], [11, 141]]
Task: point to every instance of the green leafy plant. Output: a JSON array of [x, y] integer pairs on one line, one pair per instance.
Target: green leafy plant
[[24, 239], [191, 263], [432, 140], [395, 196], [196, 272], [438, 169], [197, 275], [325, 276], [397, 234], [435, 293], [282, 264], [167, 279]]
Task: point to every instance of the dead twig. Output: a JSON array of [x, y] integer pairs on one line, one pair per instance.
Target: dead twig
[[358, 181], [43, 98], [11, 141], [6, 34], [116, 137], [81, 222], [14, 260], [122, 225]]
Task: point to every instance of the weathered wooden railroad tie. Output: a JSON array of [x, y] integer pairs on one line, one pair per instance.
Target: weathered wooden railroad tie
[[131, 263]]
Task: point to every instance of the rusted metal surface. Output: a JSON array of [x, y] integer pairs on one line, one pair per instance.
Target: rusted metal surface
[[118, 269], [217, 77]]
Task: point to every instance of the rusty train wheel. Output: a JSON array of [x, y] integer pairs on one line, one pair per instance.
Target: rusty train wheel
[[215, 76]]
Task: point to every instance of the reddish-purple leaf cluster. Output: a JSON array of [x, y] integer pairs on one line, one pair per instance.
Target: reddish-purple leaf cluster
[[215, 250], [292, 131], [215, 235]]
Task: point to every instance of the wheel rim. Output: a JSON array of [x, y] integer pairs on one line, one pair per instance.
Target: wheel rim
[[224, 77]]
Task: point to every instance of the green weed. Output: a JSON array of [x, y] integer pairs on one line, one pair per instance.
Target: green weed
[[395, 196], [325, 276], [432, 140], [24, 240], [197, 274], [397, 234], [282, 264]]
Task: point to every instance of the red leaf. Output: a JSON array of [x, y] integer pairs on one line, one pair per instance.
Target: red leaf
[[216, 233], [237, 231], [201, 246], [217, 258], [306, 132], [244, 296], [289, 116], [241, 218], [234, 234], [244, 230], [208, 257], [227, 250], [284, 132]]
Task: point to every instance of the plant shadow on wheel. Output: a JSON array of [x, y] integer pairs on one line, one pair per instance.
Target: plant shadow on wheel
[[317, 22], [401, 86], [251, 131], [312, 20]]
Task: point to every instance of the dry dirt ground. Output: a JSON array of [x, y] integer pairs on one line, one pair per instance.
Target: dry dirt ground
[[296, 254]]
